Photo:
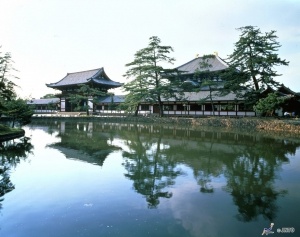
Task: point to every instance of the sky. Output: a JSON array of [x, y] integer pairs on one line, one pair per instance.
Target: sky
[[49, 38]]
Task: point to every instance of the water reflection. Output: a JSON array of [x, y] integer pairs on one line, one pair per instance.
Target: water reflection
[[249, 164], [153, 155], [79, 141], [11, 153], [251, 177], [149, 166]]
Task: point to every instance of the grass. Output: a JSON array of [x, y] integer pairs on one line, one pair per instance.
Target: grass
[[4, 130]]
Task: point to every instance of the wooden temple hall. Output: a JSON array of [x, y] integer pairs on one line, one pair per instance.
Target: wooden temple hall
[[95, 78]]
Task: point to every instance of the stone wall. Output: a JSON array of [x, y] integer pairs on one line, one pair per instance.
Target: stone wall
[[291, 125]]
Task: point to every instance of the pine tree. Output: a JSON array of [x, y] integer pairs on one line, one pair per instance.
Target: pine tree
[[151, 81], [207, 79], [82, 96], [7, 85], [253, 61]]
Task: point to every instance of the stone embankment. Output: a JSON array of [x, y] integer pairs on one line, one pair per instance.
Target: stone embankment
[[282, 125], [267, 124], [274, 127]]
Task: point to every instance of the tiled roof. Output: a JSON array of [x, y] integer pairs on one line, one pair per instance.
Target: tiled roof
[[190, 67], [108, 82], [287, 90], [43, 101], [116, 99], [97, 75], [70, 153], [196, 96], [189, 96]]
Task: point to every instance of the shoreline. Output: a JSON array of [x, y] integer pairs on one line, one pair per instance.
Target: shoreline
[[12, 135], [258, 123], [283, 127]]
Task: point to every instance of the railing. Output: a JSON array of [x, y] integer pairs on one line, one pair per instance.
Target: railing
[[60, 114], [187, 113], [45, 111]]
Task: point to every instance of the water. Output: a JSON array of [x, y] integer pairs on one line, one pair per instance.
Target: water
[[108, 179]]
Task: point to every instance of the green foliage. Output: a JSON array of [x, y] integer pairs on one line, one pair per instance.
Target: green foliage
[[4, 130], [151, 81], [7, 85], [268, 105], [52, 106], [82, 95], [252, 64], [207, 78], [112, 105], [137, 93], [18, 111], [11, 154], [48, 96], [204, 72]]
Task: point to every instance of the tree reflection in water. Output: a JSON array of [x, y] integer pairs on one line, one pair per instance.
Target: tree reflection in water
[[148, 166], [251, 177], [11, 154], [209, 168], [249, 164]]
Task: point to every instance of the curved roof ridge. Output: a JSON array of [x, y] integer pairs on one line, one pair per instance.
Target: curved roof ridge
[[86, 70], [70, 73], [188, 62], [222, 61], [215, 62], [84, 77]]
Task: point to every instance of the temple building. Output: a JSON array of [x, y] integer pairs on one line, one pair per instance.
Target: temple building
[[50, 105], [213, 64], [206, 101], [95, 78], [204, 75], [201, 82]]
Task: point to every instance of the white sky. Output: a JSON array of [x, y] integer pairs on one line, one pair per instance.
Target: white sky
[[49, 38]]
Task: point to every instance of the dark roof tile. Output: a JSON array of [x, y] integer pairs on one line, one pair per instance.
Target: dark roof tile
[[97, 75], [43, 101], [116, 99], [217, 64]]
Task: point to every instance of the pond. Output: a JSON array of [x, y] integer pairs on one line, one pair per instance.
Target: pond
[[71, 178]]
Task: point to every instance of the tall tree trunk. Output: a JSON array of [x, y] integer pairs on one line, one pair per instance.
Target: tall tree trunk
[[13, 123], [211, 101], [252, 69], [136, 110], [255, 83], [161, 112]]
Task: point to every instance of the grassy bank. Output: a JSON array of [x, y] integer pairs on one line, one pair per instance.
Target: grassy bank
[[7, 133]]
